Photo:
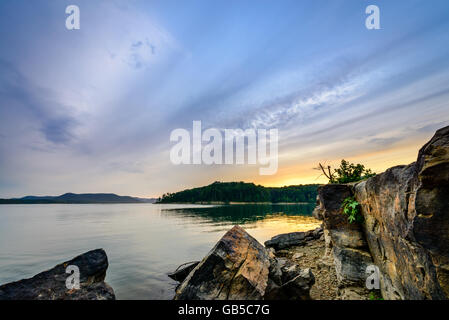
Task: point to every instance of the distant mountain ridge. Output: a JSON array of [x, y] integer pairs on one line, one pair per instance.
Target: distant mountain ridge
[[78, 198]]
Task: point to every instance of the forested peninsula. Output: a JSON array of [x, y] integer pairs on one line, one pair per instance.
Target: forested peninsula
[[227, 192]]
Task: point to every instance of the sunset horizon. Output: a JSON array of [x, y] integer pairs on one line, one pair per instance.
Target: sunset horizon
[[235, 158], [340, 91]]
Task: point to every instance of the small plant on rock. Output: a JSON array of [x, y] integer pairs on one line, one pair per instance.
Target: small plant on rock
[[352, 209], [375, 295]]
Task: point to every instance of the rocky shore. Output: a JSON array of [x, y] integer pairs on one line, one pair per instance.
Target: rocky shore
[[240, 268], [402, 239], [51, 284], [405, 228], [312, 255], [290, 266], [400, 246]]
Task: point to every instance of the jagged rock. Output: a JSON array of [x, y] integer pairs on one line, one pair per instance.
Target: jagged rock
[[405, 229], [275, 275], [287, 281], [236, 268], [51, 284], [240, 268], [345, 241], [296, 285], [407, 223], [287, 240], [351, 265], [337, 228]]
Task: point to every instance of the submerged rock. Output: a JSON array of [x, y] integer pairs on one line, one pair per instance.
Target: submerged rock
[[240, 268], [51, 284]]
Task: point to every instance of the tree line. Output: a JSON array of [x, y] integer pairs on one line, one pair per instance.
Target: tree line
[[243, 192]]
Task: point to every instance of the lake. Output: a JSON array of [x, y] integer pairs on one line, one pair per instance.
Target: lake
[[143, 241]]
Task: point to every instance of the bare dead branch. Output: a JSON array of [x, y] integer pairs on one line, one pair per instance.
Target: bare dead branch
[[324, 171]]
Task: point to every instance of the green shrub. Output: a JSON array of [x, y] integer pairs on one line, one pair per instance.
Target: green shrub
[[375, 295], [347, 172], [352, 209]]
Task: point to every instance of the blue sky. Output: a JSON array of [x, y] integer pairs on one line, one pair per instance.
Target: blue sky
[[91, 110]]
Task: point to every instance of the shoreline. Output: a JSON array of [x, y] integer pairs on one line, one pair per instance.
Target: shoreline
[[235, 203], [198, 203]]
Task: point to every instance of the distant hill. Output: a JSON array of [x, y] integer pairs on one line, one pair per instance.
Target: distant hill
[[77, 198], [243, 192]]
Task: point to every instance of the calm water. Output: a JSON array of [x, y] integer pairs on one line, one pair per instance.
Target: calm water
[[143, 241]]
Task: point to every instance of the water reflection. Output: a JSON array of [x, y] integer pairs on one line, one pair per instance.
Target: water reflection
[[241, 214], [262, 221], [143, 241]]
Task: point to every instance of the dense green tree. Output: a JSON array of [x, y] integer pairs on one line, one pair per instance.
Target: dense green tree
[[243, 192], [347, 172]]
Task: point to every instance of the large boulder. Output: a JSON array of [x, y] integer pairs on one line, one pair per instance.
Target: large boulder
[[407, 223], [341, 232], [236, 268], [51, 284], [405, 229], [240, 268]]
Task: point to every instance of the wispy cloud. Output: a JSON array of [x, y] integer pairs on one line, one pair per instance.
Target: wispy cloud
[[94, 108], [23, 101]]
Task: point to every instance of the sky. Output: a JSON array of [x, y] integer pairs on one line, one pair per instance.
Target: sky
[[91, 110]]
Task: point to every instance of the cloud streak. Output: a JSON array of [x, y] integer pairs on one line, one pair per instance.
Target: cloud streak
[[92, 110]]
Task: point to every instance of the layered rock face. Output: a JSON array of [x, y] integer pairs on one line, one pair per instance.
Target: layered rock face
[[345, 241], [240, 268], [51, 284], [405, 229]]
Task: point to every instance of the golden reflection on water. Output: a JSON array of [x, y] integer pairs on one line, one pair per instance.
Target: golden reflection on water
[[143, 241], [271, 226]]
